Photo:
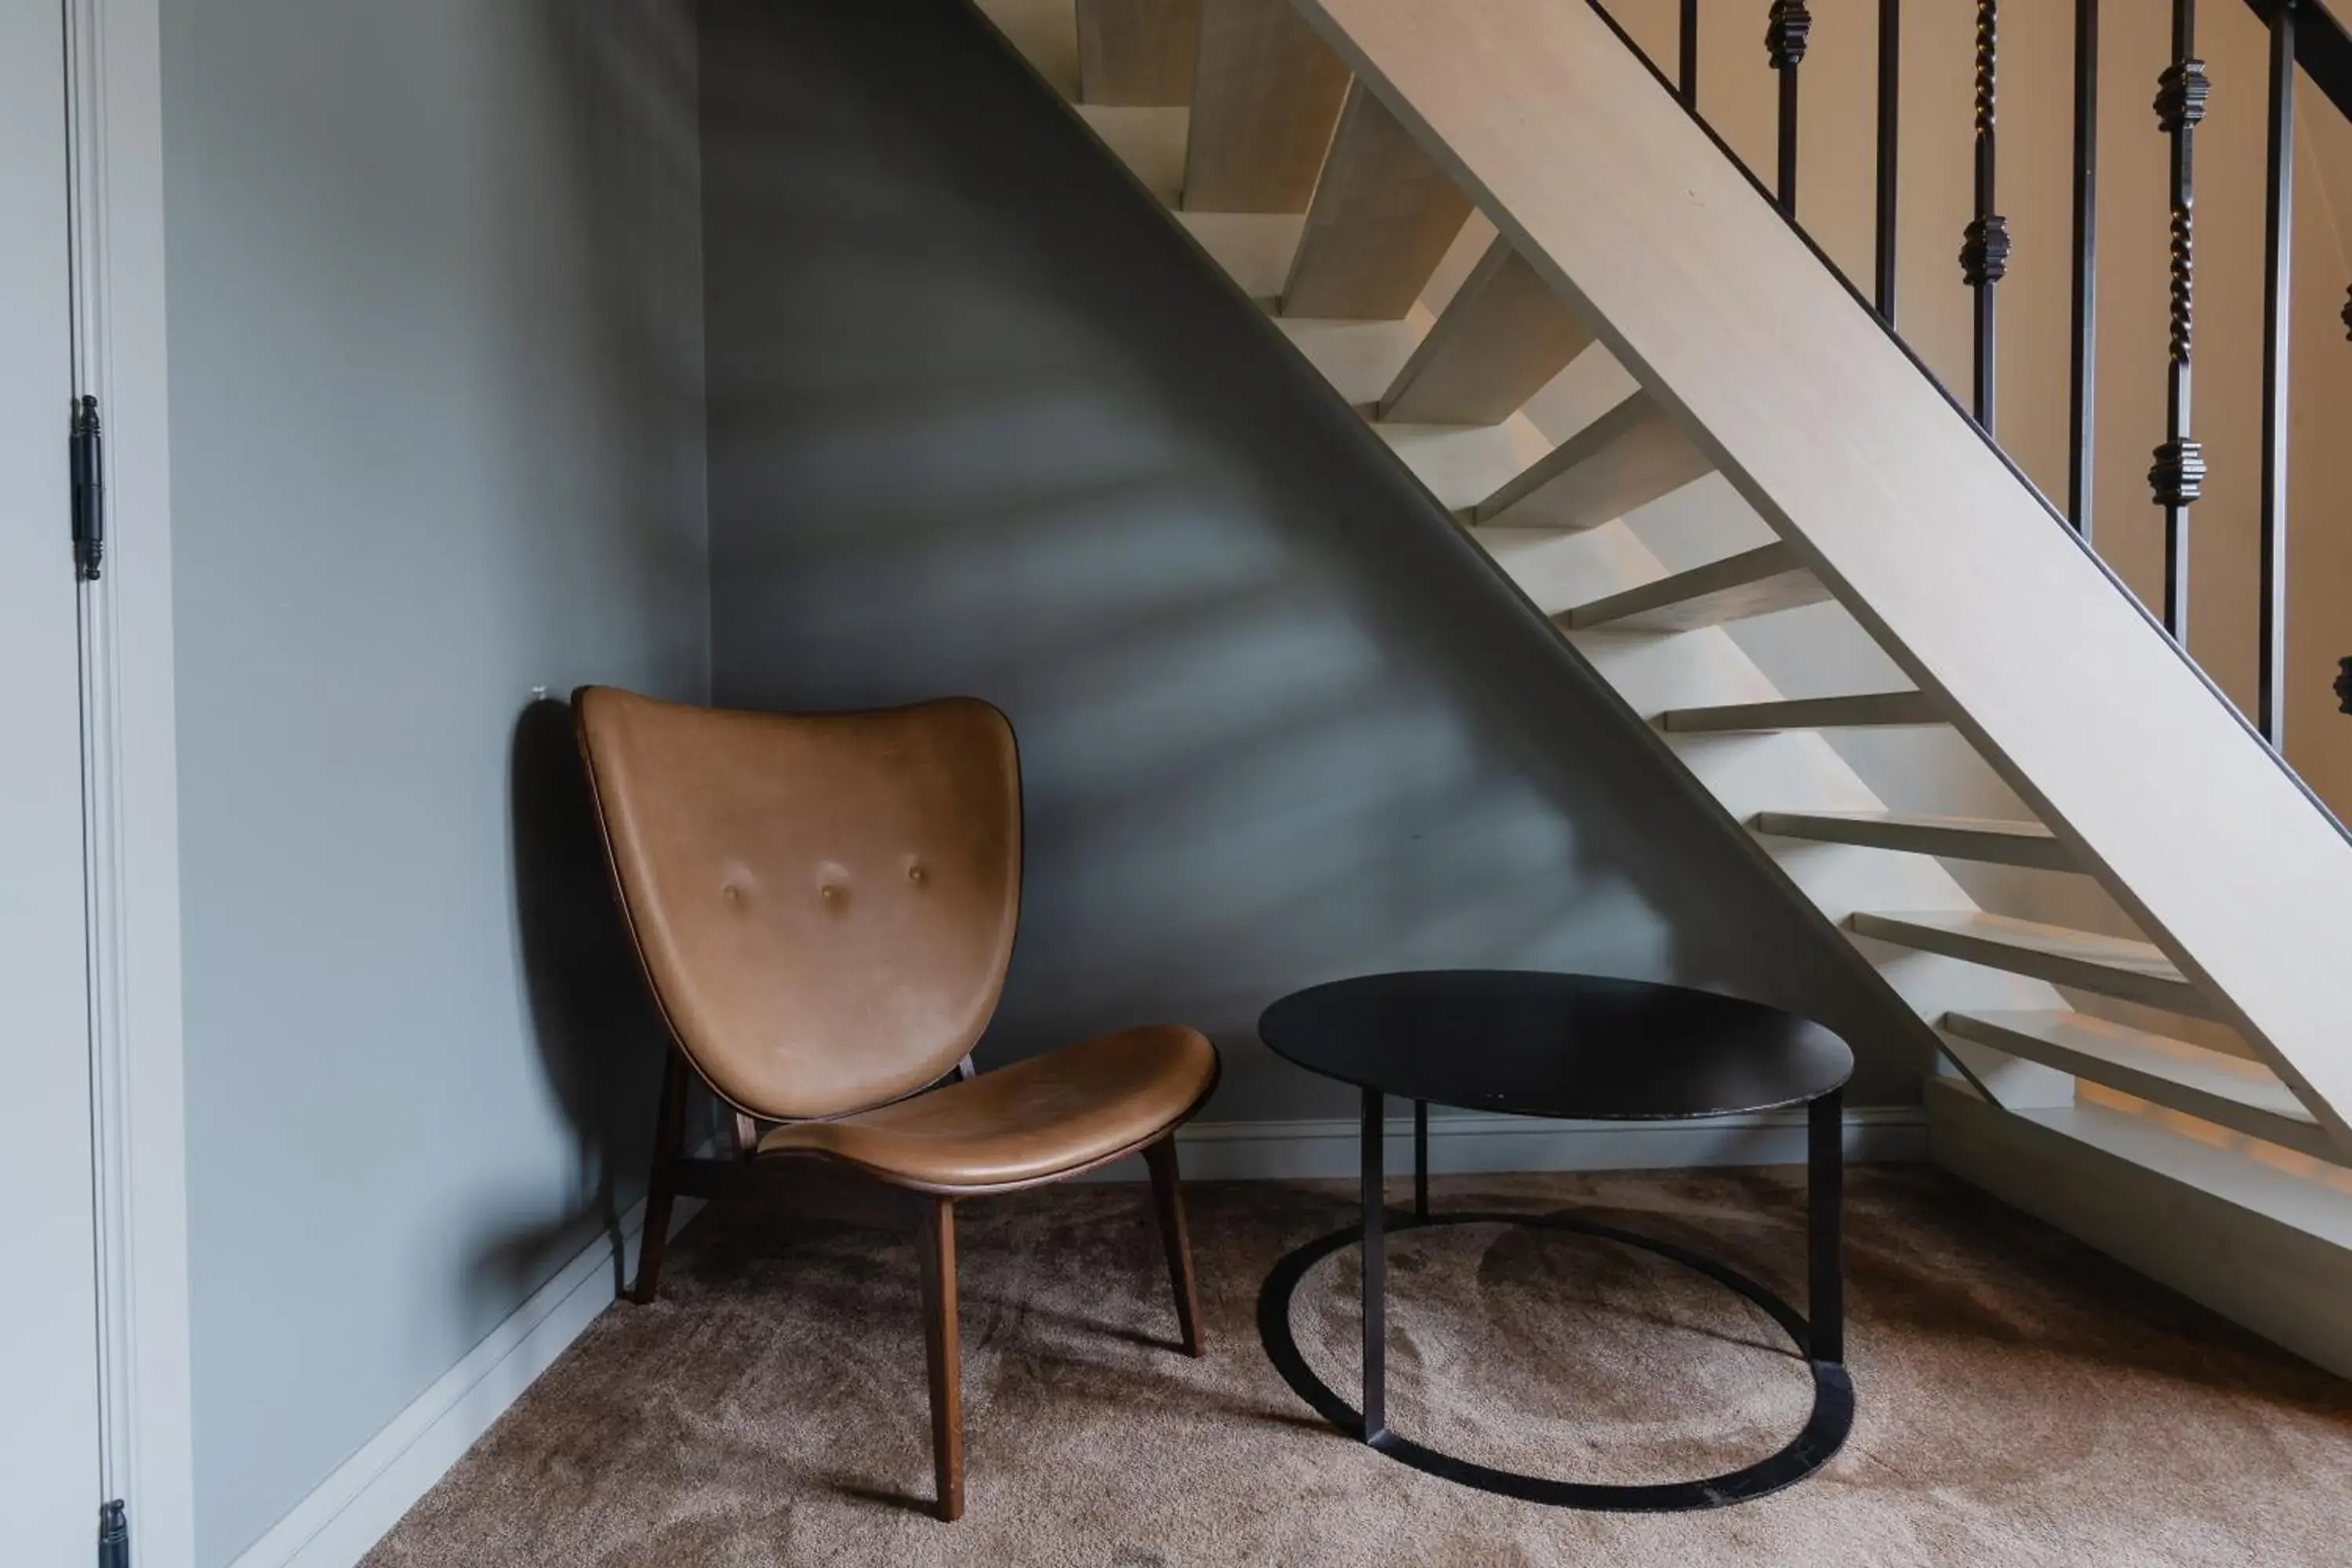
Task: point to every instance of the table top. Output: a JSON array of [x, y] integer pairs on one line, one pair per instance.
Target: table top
[[1578, 1046]]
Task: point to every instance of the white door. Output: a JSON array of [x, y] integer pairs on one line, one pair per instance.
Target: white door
[[49, 1463]]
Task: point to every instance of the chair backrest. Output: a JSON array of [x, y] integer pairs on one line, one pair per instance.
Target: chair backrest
[[825, 903]]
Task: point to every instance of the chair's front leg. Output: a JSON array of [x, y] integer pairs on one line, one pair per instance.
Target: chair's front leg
[[661, 1184], [1162, 1158], [935, 1248]]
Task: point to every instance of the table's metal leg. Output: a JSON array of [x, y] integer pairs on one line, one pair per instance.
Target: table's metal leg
[[1825, 1304], [1373, 1135], [1420, 1159]]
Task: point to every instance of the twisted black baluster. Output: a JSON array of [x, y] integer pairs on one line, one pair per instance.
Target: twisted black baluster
[[2177, 475], [1784, 42], [1984, 246]]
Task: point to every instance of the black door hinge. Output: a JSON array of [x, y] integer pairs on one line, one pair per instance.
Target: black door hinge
[[113, 1536], [88, 492], [2343, 686]]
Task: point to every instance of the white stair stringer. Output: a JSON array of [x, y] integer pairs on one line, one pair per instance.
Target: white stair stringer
[[1892, 499]]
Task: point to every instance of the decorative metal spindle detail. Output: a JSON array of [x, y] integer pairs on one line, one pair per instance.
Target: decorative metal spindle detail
[[2177, 475], [1890, 90], [2083, 389], [1688, 74], [2270, 659], [1785, 35], [1984, 247]]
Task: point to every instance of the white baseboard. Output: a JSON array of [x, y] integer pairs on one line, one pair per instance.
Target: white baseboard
[[365, 1496], [1465, 1142]]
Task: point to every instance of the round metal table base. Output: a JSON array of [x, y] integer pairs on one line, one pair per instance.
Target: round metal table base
[[1824, 1431]]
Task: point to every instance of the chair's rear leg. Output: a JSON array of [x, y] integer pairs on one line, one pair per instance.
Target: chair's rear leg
[[1162, 1158], [943, 1347], [661, 1186]]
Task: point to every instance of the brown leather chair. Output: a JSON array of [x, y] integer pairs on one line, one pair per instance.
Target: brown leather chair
[[824, 906]]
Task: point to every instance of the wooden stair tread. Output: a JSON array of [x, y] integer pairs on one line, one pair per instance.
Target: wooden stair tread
[[2243, 1096], [1382, 219], [1752, 582], [1630, 456], [1136, 53], [1266, 93], [1502, 336], [1869, 709], [2028, 843], [2111, 965]]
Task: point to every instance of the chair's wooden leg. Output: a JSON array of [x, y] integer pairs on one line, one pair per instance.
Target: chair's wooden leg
[[935, 1248], [661, 1186], [1162, 1158]]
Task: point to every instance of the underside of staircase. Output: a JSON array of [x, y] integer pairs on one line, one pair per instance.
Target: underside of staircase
[[1498, 237]]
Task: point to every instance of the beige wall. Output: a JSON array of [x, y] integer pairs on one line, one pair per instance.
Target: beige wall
[[1836, 183]]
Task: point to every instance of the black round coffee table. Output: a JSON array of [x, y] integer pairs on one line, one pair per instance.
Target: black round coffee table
[[1579, 1047]]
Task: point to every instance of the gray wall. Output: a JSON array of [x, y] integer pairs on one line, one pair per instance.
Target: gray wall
[[436, 387], [981, 420]]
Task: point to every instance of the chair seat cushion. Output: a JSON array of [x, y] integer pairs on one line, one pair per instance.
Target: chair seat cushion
[[1035, 1119]]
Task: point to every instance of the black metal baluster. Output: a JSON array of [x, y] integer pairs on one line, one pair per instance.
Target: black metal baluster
[[1890, 88], [2082, 411], [2270, 674], [1984, 247], [1688, 74], [1784, 42], [2177, 475]]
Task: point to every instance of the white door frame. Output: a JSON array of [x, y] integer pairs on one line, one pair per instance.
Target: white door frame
[[115, 155], [51, 1476]]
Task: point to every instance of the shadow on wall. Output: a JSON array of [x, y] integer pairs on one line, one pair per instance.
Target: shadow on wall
[[982, 421], [601, 1039], [626, 74], [622, 76]]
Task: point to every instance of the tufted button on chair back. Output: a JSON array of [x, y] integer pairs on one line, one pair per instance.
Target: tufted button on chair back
[[825, 903]]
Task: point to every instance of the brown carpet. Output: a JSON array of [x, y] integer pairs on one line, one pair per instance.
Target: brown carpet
[[2021, 1399]]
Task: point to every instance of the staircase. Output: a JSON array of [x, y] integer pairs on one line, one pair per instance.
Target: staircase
[[1595, 342]]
